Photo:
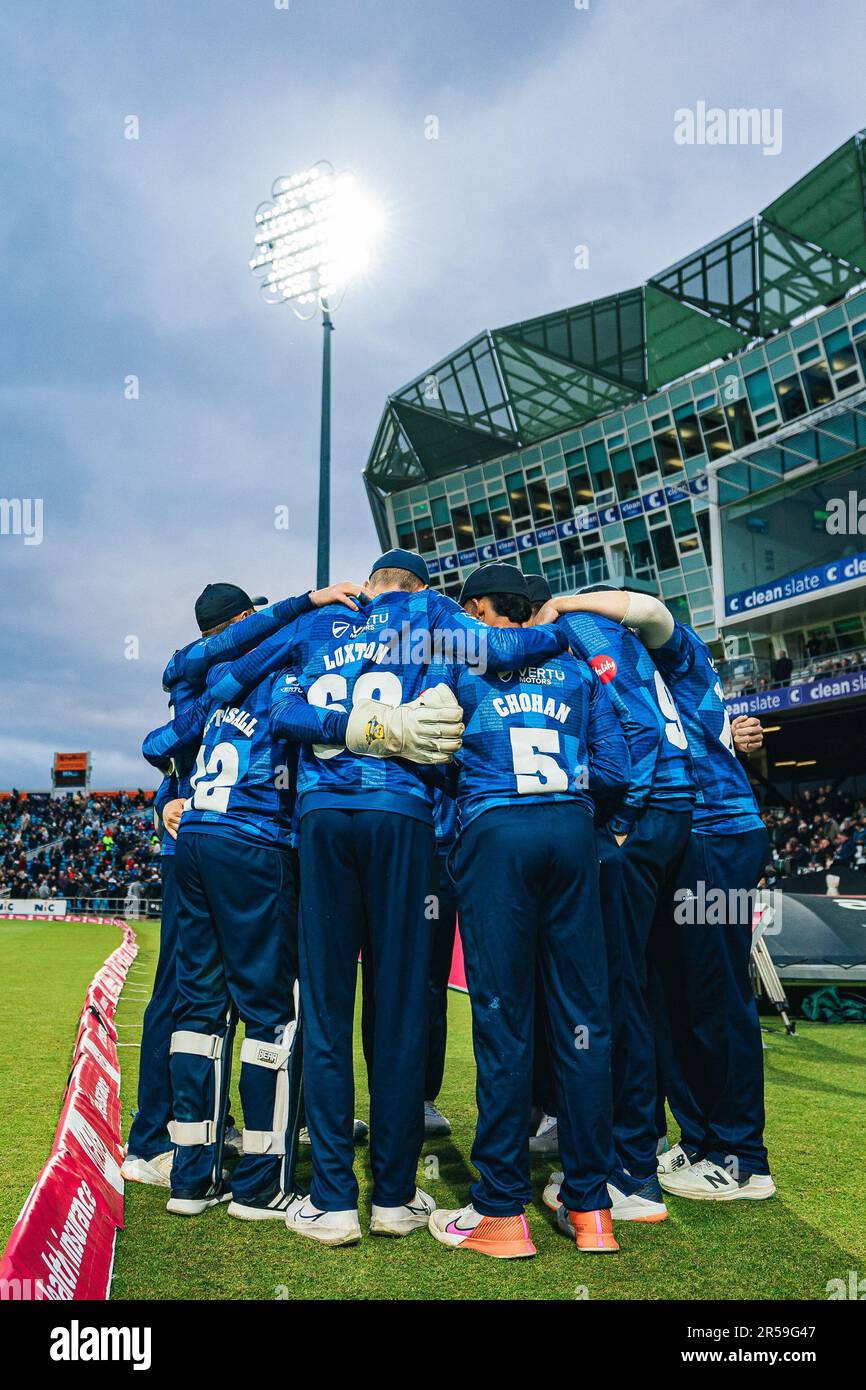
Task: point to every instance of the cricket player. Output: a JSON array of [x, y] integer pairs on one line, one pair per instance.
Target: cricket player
[[710, 1051], [367, 850], [641, 849], [236, 935], [538, 739], [229, 626]]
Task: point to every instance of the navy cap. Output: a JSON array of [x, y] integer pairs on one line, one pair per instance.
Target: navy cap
[[494, 579], [403, 560], [539, 589], [219, 603]]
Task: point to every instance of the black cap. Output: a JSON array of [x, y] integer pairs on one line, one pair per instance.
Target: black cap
[[403, 560], [539, 589], [219, 603], [494, 579]]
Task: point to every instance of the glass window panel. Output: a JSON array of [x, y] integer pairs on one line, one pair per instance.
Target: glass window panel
[[561, 499], [645, 458], [667, 556], [424, 532], [668, 451], [792, 402], [481, 521], [540, 500], [463, 531], [501, 516], [406, 539], [581, 488], [517, 495], [441, 514], [760, 390], [816, 380]]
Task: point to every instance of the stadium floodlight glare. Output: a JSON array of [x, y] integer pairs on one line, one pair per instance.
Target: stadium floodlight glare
[[313, 235]]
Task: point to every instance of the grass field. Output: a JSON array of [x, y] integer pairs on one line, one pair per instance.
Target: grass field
[[813, 1231]]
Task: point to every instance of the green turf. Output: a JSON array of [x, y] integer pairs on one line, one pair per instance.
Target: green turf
[[45, 968], [812, 1232]]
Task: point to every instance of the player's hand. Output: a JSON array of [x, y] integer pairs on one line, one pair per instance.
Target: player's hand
[[345, 592], [547, 613], [171, 815], [747, 733], [426, 730]]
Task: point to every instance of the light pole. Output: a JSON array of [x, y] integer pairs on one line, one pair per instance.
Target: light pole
[[313, 235]]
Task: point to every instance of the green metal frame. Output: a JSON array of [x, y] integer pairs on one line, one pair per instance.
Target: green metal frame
[[534, 379]]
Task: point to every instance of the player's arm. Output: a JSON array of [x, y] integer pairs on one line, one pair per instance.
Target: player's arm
[[426, 730], [239, 638], [162, 745], [230, 680], [649, 618], [493, 648], [609, 757]]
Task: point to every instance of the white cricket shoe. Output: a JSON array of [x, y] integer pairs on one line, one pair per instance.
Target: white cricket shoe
[[545, 1140], [194, 1206], [705, 1181], [154, 1172], [435, 1124], [674, 1160], [402, 1221], [327, 1227], [271, 1209]]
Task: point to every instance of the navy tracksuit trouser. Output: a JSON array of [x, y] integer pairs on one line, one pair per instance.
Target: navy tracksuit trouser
[[444, 926], [236, 957], [711, 1060], [634, 876], [365, 887], [527, 889], [148, 1134]]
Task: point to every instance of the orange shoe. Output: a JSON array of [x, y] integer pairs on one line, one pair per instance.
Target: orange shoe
[[503, 1237], [592, 1230]]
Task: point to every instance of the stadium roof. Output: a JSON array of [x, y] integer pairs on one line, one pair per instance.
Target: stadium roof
[[513, 386]]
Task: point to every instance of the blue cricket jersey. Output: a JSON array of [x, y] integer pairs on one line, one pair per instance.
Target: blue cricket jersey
[[661, 765], [725, 803], [242, 782], [187, 670], [400, 645], [541, 734]]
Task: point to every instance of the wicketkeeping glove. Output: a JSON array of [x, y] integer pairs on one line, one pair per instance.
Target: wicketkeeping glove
[[427, 730]]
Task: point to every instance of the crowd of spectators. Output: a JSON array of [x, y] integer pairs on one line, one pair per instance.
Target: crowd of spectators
[[823, 830], [753, 675], [90, 850]]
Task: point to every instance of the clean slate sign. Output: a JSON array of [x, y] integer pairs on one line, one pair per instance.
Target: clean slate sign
[[807, 695], [802, 584]]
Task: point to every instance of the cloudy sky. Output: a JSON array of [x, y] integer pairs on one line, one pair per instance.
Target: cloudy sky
[[128, 257]]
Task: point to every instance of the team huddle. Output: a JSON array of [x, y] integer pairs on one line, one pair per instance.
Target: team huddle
[[346, 774]]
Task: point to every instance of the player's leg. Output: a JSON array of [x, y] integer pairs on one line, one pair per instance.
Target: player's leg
[[201, 1044], [149, 1149], [444, 927], [395, 855], [498, 867], [252, 891], [632, 876], [725, 1057], [573, 968], [331, 922]]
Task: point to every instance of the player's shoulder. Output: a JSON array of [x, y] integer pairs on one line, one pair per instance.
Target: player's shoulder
[[175, 666]]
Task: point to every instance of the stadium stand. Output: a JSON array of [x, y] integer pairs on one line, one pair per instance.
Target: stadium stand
[[823, 830], [92, 850]]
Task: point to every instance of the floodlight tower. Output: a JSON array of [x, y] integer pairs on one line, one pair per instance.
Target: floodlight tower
[[313, 234]]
